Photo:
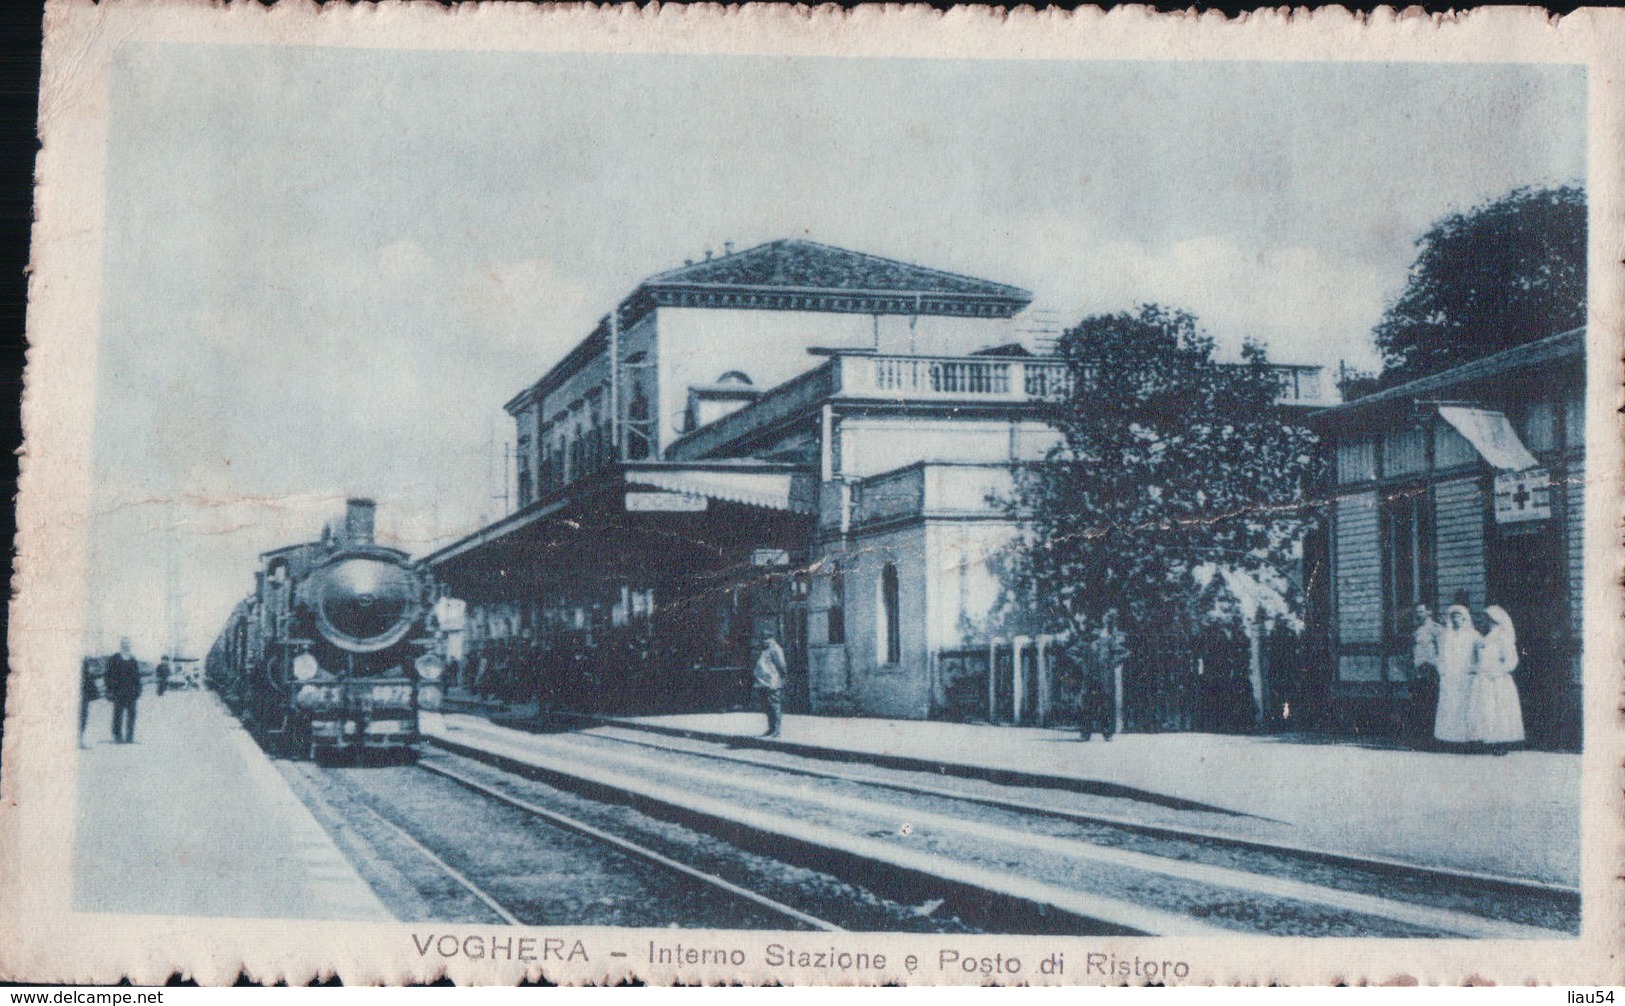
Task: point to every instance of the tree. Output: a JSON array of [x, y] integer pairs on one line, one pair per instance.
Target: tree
[[1170, 465], [1504, 273]]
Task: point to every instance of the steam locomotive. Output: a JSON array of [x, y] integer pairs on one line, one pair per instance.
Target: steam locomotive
[[335, 649]]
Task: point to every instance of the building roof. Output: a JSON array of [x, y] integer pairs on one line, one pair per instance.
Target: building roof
[[795, 275], [1531, 354], [810, 267]]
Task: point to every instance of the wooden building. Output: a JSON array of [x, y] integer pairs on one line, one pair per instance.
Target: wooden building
[[1464, 485]]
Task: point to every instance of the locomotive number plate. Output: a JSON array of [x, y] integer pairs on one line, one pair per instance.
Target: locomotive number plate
[[393, 694]]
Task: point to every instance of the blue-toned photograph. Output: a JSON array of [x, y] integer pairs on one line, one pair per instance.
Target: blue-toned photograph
[[955, 496]]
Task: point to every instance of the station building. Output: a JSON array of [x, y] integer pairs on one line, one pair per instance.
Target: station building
[[1467, 485], [795, 438]]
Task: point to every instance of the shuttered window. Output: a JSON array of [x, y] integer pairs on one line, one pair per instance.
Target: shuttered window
[[1450, 448], [1405, 452], [1459, 537], [1359, 570], [1356, 460], [1574, 418]]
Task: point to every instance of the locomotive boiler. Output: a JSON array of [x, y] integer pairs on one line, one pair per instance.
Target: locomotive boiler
[[335, 649]]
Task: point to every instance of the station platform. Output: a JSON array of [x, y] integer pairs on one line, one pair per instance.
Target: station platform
[[1515, 815], [194, 820]]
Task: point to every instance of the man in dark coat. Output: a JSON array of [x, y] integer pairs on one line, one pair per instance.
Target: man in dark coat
[[87, 694], [123, 683], [1102, 664], [161, 673]]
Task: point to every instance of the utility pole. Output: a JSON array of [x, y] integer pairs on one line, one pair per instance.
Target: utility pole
[[490, 492]]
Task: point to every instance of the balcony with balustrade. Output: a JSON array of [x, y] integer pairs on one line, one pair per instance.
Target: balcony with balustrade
[[962, 380], [1014, 379]]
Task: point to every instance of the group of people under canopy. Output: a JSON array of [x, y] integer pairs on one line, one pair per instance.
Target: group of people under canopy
[[1478, 701]]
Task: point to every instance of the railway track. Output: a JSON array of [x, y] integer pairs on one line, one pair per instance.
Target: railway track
[[1557, 894], [632, 849], [459, 840], [1011, 865]]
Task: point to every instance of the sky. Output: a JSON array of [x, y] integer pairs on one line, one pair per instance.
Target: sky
[[324, 271]]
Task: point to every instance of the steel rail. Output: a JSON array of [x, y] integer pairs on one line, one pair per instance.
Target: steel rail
[[823, 847], [428, 853], [1373, 864], [1250, 882], [1399, 910], [631, 848]]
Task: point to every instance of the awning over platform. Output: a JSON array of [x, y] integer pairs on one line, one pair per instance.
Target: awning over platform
[[781, 487], [1492, 435], [774, 489]]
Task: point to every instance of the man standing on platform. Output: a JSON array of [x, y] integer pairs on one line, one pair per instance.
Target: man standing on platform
[[87, 694], [1103, 667], [1424, 682], [161, 673], [123, 683], [770, 681]]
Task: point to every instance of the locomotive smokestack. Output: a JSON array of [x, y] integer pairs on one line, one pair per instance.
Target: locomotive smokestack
[[358, 520]]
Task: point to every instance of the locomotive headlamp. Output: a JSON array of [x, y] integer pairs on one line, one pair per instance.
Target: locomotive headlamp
[[430, 667], [305, 667]]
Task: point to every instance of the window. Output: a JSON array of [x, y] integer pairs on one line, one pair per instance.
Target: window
[[545, 475], [888, 647], [1450, 448], [594, 453], [639, 432], [578, 455], [1538, 426], [835, 614], [1405, 452], [1408, 560], [522, 462], [1574, 418], [1356, 460]]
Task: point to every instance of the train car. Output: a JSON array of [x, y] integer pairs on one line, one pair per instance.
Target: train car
[[335, 650]]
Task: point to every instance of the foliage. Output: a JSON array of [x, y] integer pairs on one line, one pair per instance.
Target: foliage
[[1355, 383], [1504, 273], [1171, 464]]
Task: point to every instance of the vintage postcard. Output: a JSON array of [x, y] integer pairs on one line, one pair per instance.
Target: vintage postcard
[[817, 497]]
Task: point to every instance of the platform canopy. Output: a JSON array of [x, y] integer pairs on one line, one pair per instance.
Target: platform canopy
[[753, 484], [599, 508]]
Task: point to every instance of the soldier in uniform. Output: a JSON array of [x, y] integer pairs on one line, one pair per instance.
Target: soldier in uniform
[[1103, 663], [769, 679], [1425, 640]]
